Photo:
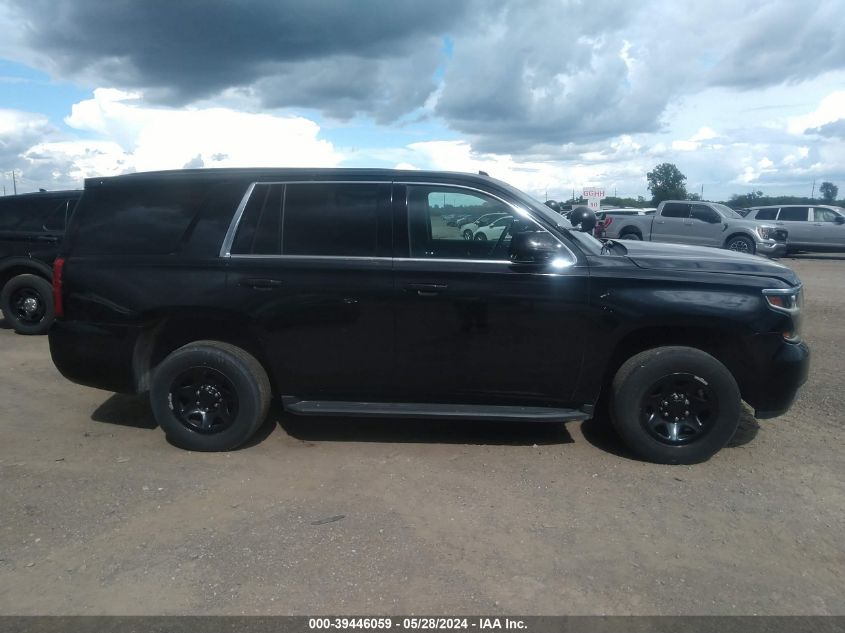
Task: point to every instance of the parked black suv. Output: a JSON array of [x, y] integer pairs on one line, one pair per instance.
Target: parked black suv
[[31, 229], [349, 293]]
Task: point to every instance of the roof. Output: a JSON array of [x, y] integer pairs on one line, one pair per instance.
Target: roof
[[287, 173], [65, 193]]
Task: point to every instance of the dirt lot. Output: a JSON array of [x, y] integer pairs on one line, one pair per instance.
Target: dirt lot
[[99, 515]]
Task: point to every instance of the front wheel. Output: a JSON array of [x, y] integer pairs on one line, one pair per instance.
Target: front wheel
[[210, 396], [27, 304], [741, 244], [675, 405]]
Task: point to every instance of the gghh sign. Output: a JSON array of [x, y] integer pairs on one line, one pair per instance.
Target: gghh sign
[[593, 196]]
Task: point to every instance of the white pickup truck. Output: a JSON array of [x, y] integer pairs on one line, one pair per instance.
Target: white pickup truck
[[700, 224]]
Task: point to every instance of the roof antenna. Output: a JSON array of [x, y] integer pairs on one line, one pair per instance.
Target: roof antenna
[[483, 173]]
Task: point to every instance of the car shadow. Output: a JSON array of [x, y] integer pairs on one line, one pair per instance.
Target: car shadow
[[819, 257], [440, 431], [126, 410]]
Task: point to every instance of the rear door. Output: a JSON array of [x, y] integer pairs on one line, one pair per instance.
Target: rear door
[[472, 328], [310, 264], [672, 224], [796, 220]]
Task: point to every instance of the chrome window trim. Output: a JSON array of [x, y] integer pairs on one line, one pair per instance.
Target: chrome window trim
[[520, 210], [311, 257], [226, 248], [228, 240]]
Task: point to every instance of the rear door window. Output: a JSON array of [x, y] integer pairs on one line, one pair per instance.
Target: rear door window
[[335, 219], [675, 210], [793, 214], [766, 214]]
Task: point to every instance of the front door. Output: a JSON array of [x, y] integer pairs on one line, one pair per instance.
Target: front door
[[707, 227], [471, 327], [310, 264], [830, 233]]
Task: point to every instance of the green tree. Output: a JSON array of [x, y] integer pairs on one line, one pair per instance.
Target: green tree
[[666, 182], [829, 191]]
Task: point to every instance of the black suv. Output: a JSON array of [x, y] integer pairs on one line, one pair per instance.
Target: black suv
[[350, 293], [31, 230]]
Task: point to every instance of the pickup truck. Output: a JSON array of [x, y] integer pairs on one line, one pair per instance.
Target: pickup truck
[[701, 224]]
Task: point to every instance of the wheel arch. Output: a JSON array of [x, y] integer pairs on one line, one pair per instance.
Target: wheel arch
[[630, 228], [170, 333], [728, 347], [739, 233], [15, 266]]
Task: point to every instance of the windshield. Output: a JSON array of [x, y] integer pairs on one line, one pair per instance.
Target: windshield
[[726, 212]]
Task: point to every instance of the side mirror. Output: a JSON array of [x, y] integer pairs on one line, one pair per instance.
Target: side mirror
[[840, 219], [535, 247]]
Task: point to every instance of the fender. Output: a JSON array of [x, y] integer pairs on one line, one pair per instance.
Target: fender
[[33, 265]]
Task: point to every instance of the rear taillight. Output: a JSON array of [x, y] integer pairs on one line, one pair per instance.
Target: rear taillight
[[58, 273]]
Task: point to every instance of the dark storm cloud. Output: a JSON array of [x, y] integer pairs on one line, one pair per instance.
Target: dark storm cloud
[[185, 50], [519, 77]]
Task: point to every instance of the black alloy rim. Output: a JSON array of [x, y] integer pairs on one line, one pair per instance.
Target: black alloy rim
[[740, 246], [28, 305], [204, 400], [679, 409]]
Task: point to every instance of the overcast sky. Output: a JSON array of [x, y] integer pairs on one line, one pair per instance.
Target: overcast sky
[[550, 95]]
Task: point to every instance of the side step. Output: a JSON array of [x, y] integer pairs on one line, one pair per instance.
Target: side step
[[413, 410]]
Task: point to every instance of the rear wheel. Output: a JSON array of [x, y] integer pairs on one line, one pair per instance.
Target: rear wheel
[[675, 405], [27, 304], [467, 234], [741, 244], [210, 396], [631, 235], [480, 237]]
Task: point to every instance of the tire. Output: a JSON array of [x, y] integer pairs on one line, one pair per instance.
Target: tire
[[644, 405], [216, 374], [467, 234], [631, 235], [27, 304], [480, 237], [741, 244]]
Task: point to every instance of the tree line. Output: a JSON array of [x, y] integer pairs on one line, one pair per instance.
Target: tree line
[[666, 182]]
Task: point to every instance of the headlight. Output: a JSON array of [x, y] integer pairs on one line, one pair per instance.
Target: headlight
[[765, 232], [789, 301]]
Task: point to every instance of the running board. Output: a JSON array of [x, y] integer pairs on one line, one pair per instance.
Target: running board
[[413, 410]]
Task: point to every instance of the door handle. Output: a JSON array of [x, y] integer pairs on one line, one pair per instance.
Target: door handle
[[426, 290], [688, 223], [47, 238], [260, 284]]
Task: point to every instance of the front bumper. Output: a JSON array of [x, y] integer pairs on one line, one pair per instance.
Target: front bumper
[[779, 383], [771, 248]]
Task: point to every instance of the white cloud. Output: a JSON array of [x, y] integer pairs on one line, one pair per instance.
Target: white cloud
[[832, 108]]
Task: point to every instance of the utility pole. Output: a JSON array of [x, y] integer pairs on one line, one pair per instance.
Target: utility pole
[[813, 193], [702, 192], [15, 184]]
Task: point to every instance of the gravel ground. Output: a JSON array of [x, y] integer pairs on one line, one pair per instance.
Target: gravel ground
[[99, 515]]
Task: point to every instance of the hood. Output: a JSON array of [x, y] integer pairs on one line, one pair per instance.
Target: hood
[[657, 255]]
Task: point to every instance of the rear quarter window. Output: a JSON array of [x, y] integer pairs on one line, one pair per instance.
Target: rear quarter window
[[152, 218]]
